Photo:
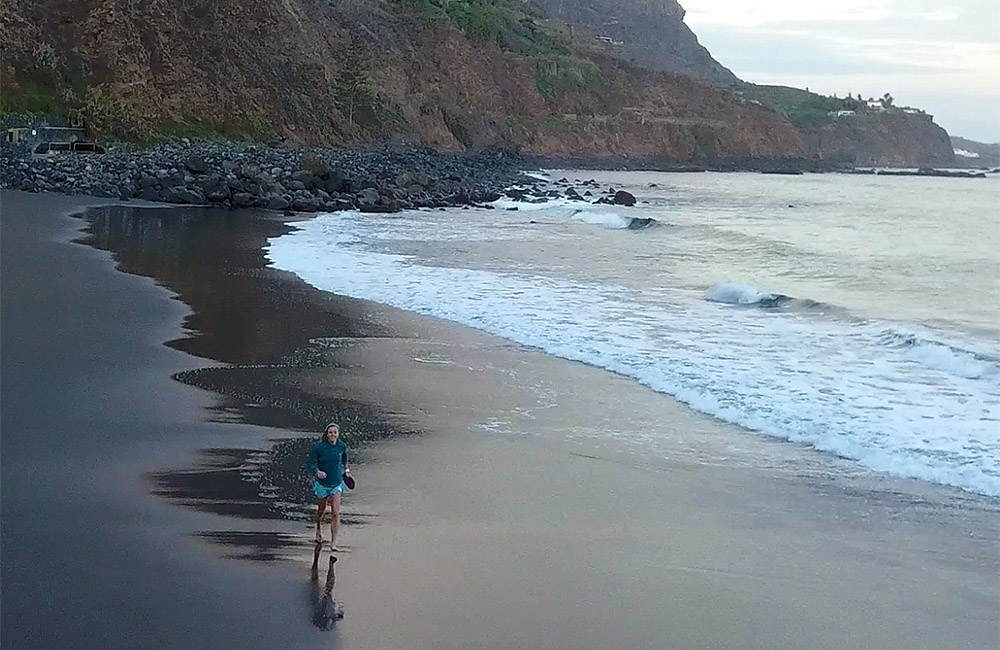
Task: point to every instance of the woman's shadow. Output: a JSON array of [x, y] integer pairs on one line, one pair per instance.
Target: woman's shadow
[[326, 611]]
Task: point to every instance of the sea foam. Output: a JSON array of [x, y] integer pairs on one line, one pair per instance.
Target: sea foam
[[839, 386]]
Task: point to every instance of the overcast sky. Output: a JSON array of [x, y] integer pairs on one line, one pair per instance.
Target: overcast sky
[[943, 57]]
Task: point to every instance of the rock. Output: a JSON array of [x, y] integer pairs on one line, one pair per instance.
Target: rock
[[315, 166], [623, 198], [418, 177], [267, 182], [377, 207], [307, 178], [218, 194], [335, 183], [150, 194], [244, 200], [367, 195], [276, 202], [210, 182], [310, 204], [190, 195], [196, 164], [249, 171], [127, 190]]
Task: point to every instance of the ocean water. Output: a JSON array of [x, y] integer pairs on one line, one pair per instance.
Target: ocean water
[[856, 314]]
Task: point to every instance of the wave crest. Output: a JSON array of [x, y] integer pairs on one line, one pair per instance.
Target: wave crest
[[940, 355], [732, 293], [614, 221]]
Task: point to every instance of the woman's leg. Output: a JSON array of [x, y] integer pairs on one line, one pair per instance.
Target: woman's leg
[[334, 519], [320, 509]]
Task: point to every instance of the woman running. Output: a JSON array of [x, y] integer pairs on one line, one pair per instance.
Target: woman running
[[328, 465]]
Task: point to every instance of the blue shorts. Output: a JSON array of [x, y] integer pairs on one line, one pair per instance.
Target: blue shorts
[[321, 491]]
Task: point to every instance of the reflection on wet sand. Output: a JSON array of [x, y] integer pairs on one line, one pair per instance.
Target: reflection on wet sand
[[263, 324], [251, 485], [255, 545], [326, 611]]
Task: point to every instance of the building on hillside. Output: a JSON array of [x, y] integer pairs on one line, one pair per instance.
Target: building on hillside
[[45, 133], [842, 113], [45, 138]]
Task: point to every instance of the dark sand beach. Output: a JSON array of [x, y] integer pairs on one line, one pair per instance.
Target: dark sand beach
[[153, 495]]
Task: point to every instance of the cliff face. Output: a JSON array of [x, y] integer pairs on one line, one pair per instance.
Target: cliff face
[[890, 139], [844, 131], [651, 33], [451, 75], [975, 154]]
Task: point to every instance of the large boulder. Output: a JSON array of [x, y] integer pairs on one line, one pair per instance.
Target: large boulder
[[308, 179], [249, 171], [244, 200], [421, 178], [386, 207], [315, 165], [196, 164], [267, 182], [623, 198], [307, 204], [335, 183], [368, 200], [367, 195], [277, 202], [218, 194], [191, 195]]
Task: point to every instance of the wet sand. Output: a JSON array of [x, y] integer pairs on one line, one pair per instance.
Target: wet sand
[[490, 510], [91, 559]]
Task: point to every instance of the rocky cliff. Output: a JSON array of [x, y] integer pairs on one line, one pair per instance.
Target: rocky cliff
[[975, 154], [849, 131], [884, 139], [447, 73], [651, 33]]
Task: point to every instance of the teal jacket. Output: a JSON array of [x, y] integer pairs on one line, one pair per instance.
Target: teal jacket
[[332, 459]]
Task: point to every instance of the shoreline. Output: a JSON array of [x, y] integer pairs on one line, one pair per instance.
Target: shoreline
[[465, 535], [291, 180]]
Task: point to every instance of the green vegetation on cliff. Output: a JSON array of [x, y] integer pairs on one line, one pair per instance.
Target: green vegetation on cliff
[[849, 130], [516, 27], [447, 73], [511, 25], [801, 107]]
